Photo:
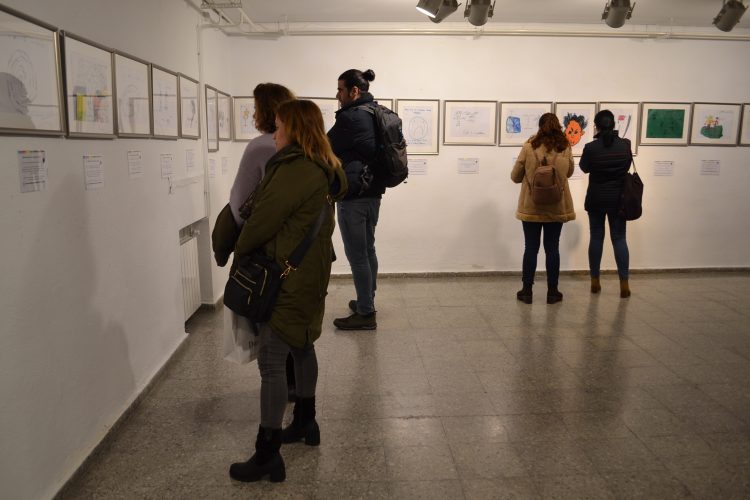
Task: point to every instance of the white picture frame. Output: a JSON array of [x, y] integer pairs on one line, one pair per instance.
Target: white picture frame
[[470, 123], [421, 125], [745, 131], [243, 109], [212, 119], [30, 56], [386, 103], [519, 121], [165, 104], [627, 120], [133, 91], [715, 124], [577, 120], [89, 88], [328, 107], [224, 110], [665, 123], [190, 108]]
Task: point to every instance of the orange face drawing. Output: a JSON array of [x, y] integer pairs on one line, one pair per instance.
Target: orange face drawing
[[575, 128]]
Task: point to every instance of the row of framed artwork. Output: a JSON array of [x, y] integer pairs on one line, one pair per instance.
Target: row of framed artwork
[[490, 123]]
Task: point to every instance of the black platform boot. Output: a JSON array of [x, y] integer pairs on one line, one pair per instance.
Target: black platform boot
[[303, 424], [266, 460]]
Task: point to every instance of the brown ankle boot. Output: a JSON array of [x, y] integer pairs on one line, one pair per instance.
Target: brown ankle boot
[[624, 289], [596, 287]]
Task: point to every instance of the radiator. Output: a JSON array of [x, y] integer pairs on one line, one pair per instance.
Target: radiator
[[191, 285]]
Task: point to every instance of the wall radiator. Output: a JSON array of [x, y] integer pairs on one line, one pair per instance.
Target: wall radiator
[[191, 285]]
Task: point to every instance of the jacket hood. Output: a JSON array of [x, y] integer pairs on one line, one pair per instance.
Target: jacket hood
[[337, 183], [365, 97]]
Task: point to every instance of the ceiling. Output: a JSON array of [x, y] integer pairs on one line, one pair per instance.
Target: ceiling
[[693, 13]]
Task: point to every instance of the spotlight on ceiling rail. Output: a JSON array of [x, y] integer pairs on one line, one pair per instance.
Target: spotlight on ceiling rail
[[729, 15], [446, 9], [478, 11], [616, 12], [429, 8]]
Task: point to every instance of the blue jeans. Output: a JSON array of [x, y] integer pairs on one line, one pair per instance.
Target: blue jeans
[[532, 233], [617, 227], [357, 220]]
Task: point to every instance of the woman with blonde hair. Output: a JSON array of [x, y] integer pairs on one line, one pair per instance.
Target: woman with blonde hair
[[302, 179], [549, 147]]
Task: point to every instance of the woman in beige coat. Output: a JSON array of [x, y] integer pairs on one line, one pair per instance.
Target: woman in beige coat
[[548, 147]]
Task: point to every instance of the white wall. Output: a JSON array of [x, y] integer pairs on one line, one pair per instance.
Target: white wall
[[91, 302], [450, 222]]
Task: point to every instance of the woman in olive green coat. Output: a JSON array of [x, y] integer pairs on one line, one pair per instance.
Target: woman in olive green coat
[[302, 178]]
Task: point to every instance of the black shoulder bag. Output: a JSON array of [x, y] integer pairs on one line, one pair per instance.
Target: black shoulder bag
[[632, 195], [254, 284]]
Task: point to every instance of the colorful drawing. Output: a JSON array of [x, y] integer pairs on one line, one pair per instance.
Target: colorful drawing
[[665, 123], [513, 125], [575, 127], [711, 128]]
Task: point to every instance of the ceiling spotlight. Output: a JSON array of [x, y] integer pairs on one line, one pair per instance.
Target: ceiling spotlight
[[446, 9], [478, 11], [729, 15], [429, 7], [616, 12]]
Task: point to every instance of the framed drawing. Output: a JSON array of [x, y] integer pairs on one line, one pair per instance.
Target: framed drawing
[[212, 119], [520, 120], [243, 108], [665, 123], [745, 132], [132, 88], [715, 124], [88, 88], [328, 107], [470, 123], [627, 120], [421, 121], [190, 123], [31, 96], [577, 120], [166, 111], [224, 116], [386, 103]]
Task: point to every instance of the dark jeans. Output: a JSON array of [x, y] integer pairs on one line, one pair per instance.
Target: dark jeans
[[617, 229], [532, 233], [272, 366], [357, 220]]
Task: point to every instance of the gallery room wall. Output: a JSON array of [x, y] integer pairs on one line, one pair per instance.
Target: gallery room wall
[[91, 304], [444, 221]]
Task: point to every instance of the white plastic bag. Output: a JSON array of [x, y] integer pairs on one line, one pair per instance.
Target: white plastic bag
[[241, 344]]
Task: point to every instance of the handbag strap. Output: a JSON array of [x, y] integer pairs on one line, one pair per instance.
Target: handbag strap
[[292, 263]]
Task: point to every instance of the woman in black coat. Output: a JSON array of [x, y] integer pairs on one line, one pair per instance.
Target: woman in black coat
[[606, 160]]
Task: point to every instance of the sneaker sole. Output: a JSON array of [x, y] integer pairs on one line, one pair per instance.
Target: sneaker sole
[[350, 328]]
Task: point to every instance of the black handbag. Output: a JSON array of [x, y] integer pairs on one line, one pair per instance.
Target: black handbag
[[255, 282], [631, 199]]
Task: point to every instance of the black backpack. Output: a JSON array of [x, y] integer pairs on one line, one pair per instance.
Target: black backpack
[[391, 162]]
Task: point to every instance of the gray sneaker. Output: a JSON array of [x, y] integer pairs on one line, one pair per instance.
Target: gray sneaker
[[356, 322]]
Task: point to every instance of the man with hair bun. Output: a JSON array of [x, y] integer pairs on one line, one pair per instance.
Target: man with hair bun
[[353, 139]]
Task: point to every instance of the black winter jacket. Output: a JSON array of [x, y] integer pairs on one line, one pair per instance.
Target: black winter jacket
[[353, 141], [607, 168]]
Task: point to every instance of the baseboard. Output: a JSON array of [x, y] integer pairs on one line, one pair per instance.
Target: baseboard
[[576, 272]]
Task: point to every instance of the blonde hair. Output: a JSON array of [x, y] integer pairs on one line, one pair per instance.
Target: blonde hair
[[303, 123]]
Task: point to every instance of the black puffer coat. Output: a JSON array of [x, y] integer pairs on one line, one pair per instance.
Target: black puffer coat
[[607, 168], [353, 141]]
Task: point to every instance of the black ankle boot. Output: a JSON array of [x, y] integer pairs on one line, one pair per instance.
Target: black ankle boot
[[525, 295], [554, 295], [266, 460], [303, 424]]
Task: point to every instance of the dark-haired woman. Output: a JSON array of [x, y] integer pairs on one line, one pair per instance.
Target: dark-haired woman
[[353, 140], [548, 147], [302, 180], [606, 160]]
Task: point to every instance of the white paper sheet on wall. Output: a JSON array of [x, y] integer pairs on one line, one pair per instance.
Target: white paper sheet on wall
[[167, 165], [212, 167], [224, 165], [135, 164], [710, 167], [417, 166], [32, 170], [468, 165], [93, 170], [664, 168], [189, 161]]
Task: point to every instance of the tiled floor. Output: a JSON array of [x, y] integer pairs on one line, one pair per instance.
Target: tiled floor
[[463, 392]]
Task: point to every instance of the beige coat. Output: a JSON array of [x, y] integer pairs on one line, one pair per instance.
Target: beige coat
[[523, 172]]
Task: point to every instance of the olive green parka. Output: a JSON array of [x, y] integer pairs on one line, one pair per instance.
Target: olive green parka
[[286, 205]]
